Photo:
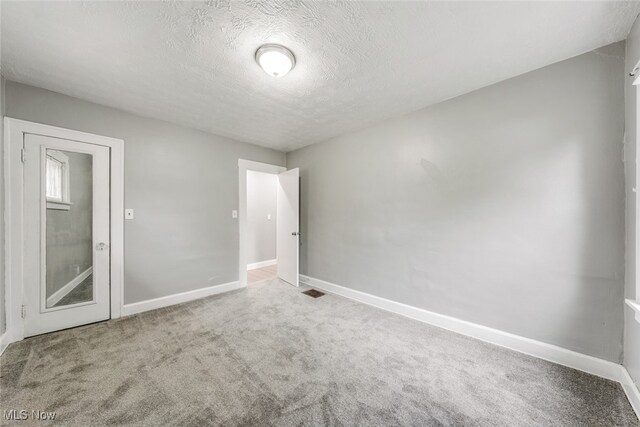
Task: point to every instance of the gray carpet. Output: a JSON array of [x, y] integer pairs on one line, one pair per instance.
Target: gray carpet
[[269, 355]]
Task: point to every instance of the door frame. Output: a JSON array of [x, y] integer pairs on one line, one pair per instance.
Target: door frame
[[14, 131], [243, 167]]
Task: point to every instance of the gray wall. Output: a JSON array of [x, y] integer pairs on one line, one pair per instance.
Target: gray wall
[[69, 232], [182, 183], [632, 328], [262, 193], [502, 207]]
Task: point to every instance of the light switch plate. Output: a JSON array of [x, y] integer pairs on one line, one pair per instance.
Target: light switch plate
[[269, 217], [128, 214], [234, 214]]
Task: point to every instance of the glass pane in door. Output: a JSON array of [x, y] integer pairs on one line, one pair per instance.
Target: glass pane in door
[[68, 228]]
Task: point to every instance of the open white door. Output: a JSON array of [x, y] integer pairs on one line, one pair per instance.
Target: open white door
[[288, 223]]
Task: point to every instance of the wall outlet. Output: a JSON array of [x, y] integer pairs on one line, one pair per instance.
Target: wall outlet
[[128, 214], [234, 214]]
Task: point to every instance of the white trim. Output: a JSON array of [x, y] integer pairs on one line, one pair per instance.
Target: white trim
[[636, 189], [243, 167], [14, 131], [635, 306], [63, 291], [152, 304], [636, 73], [631, 390], [262, 264], [59, 206], [551, 353], [4, 342]]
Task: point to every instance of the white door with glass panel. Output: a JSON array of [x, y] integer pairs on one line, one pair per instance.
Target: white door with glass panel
[[288, 223], [66, 206]]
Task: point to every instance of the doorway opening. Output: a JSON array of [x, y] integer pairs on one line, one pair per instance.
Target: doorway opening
[[268, 222], [262, 196]]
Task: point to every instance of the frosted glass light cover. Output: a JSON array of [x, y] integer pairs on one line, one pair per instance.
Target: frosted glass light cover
[[275, 60]]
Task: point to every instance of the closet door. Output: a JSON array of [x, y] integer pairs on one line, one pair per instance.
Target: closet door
[[66, 205]]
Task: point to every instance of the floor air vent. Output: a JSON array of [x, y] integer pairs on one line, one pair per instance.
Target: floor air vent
[[313, 293]]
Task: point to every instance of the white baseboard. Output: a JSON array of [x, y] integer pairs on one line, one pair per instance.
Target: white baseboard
[[4, 342], [631, 390], [63, 291], [261, 264], [549, 352], [635, 305], [152, 304]]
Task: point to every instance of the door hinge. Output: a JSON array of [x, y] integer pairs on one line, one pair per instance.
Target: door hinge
[[23, 155], [23, 311]]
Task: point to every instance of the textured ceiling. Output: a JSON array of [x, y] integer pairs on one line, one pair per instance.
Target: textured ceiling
[[357, 62]]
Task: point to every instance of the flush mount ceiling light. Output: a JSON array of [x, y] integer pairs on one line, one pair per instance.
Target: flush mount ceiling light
[[275, 60]]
